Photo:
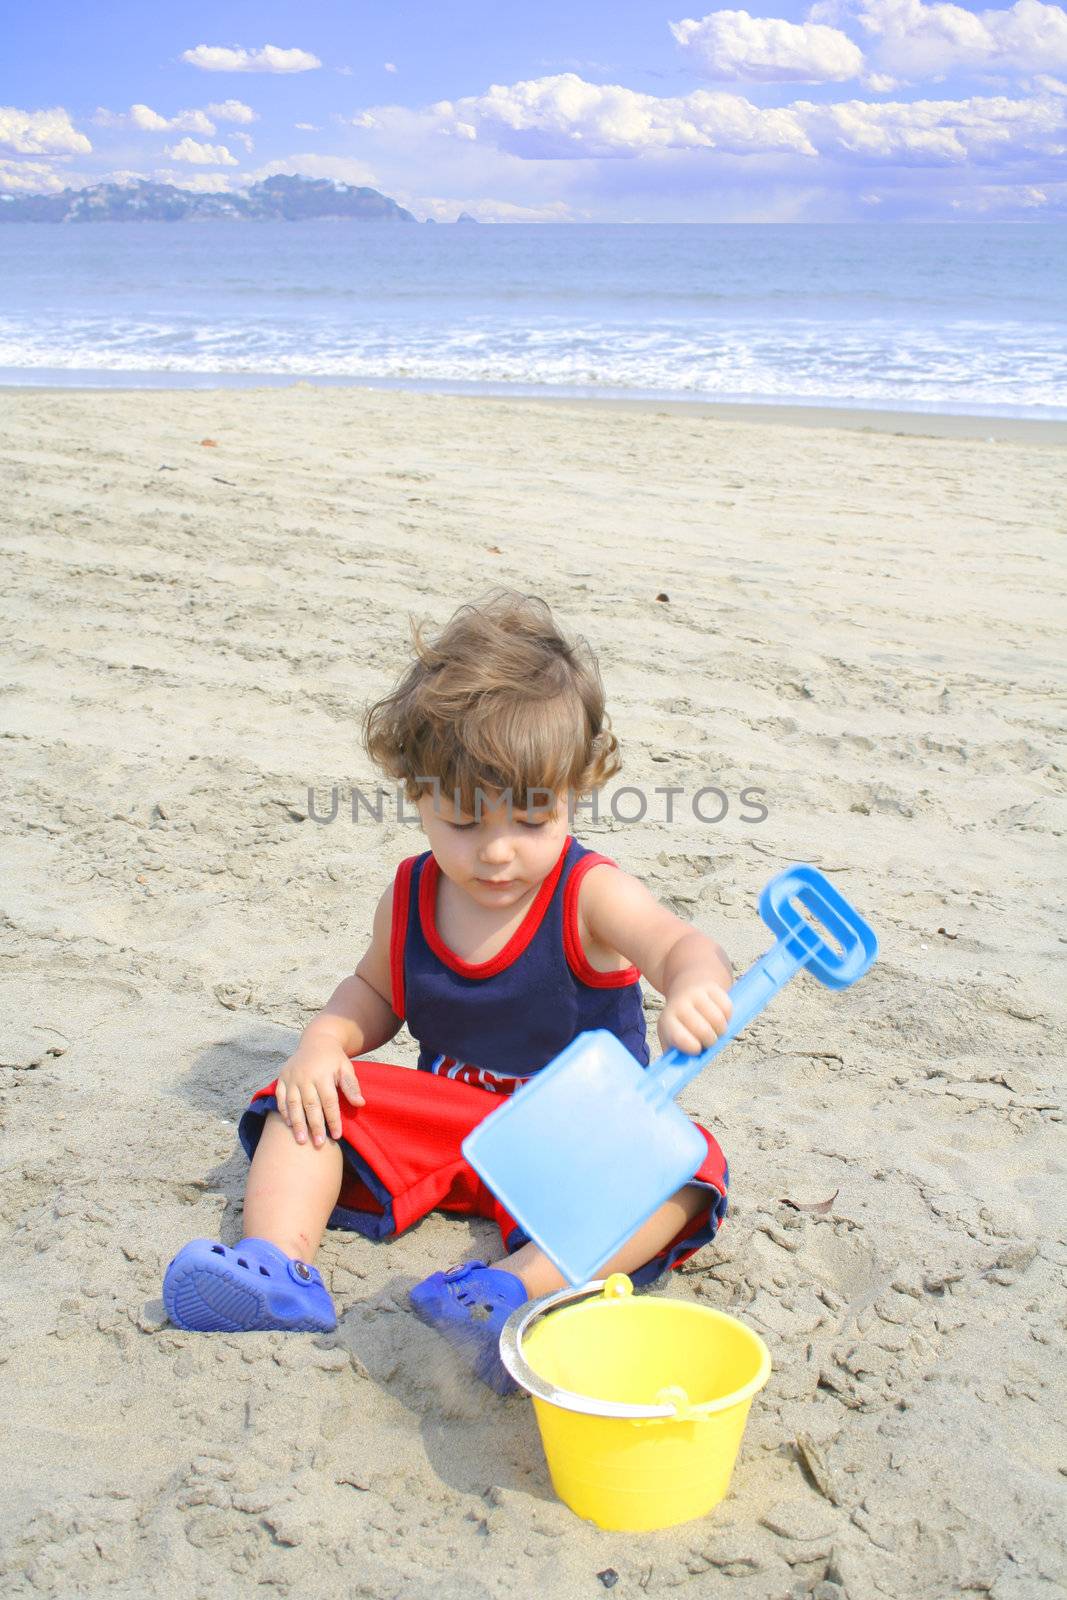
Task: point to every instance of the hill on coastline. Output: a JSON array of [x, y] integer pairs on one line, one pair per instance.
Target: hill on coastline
[[277, 199]]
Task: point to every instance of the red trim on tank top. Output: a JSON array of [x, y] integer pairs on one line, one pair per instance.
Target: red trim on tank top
[[399, 932], [572, 939], [516, 944]]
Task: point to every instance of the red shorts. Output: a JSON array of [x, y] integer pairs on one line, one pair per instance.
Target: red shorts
[[402, 1160]]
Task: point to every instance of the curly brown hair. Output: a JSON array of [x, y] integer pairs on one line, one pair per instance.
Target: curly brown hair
[[498, 700]]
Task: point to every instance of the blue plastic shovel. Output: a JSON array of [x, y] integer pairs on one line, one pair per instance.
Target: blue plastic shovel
[[594, 1144]]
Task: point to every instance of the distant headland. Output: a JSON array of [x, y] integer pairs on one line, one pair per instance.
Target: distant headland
[[276, 199]]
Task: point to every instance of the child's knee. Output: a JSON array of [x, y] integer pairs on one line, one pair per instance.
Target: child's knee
[[277, 1147]]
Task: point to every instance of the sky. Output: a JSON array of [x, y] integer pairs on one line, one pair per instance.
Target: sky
[[607, 111]]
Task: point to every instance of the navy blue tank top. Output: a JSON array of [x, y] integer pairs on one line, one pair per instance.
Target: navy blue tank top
[[494, 1023]]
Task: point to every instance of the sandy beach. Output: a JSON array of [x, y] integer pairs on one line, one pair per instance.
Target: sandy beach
[[862, 621]]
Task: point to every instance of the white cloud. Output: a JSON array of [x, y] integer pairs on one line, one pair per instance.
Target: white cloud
[[201, 155], [732, 45], [390, 66], [305, 127], [146, 120], [998, 199], [28, 177], [199, 182], [232, 111], [1049, 84], [144, 117], [566, 119], [184, 122], [880, 82], [243, 138], [344, 169], [936, 132], [41, 133], [916, 40], [495, 210], [831, 11], [563, 117], [192, 122], [219, 58]]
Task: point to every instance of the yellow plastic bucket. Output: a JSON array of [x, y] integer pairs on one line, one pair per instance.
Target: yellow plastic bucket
[[641, 1403]]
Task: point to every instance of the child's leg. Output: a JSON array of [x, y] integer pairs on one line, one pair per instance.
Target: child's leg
[[265, 1281], [470, 1304], [539, 1276], [291, 1190]]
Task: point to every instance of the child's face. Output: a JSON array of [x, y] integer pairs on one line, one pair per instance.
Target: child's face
[[499, 859]]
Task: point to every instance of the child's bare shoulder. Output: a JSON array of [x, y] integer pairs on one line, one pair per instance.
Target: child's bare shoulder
[[620, 921]]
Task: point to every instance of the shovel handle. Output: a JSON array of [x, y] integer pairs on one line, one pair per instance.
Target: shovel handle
[[752, 991], [799, 945]]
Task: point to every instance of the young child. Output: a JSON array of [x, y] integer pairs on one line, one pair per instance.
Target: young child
[[497, 946]]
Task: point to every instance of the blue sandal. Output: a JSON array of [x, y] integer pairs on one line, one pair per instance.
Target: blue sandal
[[468, 1306], [211, 1288]]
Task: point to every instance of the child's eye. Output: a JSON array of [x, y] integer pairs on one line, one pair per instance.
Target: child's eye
[[461, 827]]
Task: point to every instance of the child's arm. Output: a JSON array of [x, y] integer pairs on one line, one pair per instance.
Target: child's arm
[[690, 970], [357, 1018]]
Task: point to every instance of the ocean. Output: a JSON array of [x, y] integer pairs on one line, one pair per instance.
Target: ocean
[[967, 318]]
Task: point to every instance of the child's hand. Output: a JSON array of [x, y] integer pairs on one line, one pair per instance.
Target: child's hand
[[696, 1013], [307, 1089]]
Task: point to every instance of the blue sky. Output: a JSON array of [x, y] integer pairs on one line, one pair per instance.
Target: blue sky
[[633, 110]]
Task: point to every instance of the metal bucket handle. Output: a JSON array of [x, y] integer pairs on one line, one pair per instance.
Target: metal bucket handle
[[515, 1329]]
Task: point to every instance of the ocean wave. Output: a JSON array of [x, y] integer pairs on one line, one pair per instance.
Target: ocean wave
[[1013, 367]]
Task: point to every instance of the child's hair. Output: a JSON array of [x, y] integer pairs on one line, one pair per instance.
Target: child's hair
[[499, 700]]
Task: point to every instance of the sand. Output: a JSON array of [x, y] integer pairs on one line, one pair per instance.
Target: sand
[[863, 623]]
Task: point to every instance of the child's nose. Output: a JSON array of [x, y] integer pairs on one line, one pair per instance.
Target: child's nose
[[498, 849]]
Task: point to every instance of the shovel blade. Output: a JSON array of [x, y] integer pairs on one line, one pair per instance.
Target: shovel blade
[[580, 1158]]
